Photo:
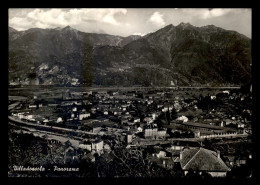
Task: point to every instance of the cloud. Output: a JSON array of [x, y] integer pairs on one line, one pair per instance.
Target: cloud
[[48, 18], [204, 13], [19, 23], [125, 22], [141, 34], [157, 19], [101, 15], [214, 13]]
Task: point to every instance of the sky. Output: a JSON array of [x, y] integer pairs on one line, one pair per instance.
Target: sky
[[129, 21]]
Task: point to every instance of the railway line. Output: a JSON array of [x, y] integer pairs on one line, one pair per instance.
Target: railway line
[[50, 129]]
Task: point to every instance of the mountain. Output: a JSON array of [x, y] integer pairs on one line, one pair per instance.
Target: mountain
[[185, 54]]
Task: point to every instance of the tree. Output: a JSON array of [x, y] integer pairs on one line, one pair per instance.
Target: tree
[[129, 163], [174, 114]]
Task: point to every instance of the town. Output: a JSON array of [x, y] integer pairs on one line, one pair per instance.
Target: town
[[135, 132]]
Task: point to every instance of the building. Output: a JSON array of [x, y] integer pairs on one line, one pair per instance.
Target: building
[[83, 115], [148, 120], [97, 146], [136, 120], [32, 106], [69, 155], [183, 118], [203, 160], [59, 120], [129, 138], [161, 133], [85, 145], [154, 133], [205, 129], [161, 154], [150, 132], [180, 145]]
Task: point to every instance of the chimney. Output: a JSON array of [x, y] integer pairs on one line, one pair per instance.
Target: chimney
[[181, 155], [218, 154]]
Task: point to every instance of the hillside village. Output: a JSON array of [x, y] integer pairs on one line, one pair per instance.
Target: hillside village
[[181, 131]]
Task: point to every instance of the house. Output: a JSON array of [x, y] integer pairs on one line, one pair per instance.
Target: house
[[180, 145], [29, 117], [203, 160], [161, 154], [85, 145], [59, 120], [97, 146], [223, 124], [226, 92], [107, 148], [32, 106], [159, 106], [45, 121], [240, 125], [168, 163], [74, 109], [139, 129], [129, 138], [83, 115], [165, 109], [150, 132], [231, 160], [89, 157], [161, 133], [160, 157], [183, 118], [93, 110], [148, 120], [241, 161], [54, 141], [228, 121], [136, 120], [69, 154], [154, 133]]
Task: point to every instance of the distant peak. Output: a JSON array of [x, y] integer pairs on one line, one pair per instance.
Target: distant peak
[[58, 28], [185, 25], [170, 25], [167, 28], [12, 29], [211, 27], [67, 28]]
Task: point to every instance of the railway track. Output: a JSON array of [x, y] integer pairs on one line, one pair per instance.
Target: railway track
[[47, 128]]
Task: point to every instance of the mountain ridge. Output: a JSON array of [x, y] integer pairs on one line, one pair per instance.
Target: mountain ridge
[[184, 53]]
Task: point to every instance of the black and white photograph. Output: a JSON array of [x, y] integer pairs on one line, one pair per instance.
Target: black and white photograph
[[130, 93]]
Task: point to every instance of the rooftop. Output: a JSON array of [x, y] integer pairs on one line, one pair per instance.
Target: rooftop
[[203, 160]]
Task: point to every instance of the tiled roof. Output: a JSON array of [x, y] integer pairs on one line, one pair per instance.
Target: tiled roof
[[202, 159], [177, 159], [187, 155]]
